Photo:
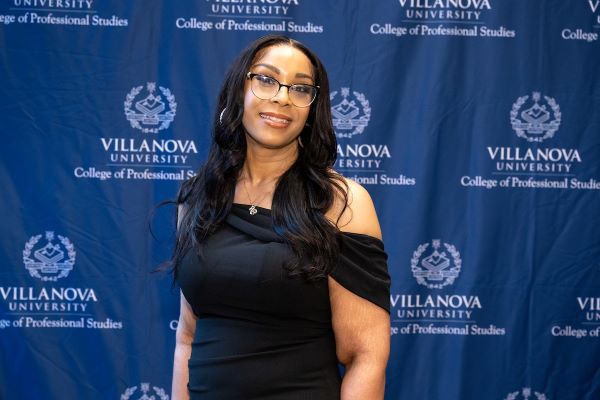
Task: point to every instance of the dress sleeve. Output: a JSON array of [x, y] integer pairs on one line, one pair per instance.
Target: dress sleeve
[[362, 268]]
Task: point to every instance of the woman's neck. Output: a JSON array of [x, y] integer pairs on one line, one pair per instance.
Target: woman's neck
[[260, 173], [263, 165]]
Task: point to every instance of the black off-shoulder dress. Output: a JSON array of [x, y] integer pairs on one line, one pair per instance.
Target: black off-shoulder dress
[[261, 334]]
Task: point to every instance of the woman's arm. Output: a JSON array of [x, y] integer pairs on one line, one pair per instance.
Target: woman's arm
[[362, 329], [362, 337], [184, 337]]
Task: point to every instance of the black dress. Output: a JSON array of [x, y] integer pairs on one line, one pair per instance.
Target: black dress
[[261, 334]]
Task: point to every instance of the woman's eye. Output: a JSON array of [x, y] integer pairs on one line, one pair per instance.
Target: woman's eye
[[265, 80], [301, 88]]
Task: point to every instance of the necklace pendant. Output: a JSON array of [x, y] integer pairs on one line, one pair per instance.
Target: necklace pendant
[[252, 209]]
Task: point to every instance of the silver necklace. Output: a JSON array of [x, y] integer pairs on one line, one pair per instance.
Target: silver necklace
[[252, 209]]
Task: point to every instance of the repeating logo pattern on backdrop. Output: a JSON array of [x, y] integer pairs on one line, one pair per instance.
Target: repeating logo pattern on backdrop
[[539, 162], [150, 110], [437, 265], [50, 258], [449, 10], [587, 325], [273, 16], [538, 121], [436, 268], [60, 13], [585, 32], [526, 394], [351, 114], [365, 162], [152, 113], [435, 18], [50, 262], [144, 392]]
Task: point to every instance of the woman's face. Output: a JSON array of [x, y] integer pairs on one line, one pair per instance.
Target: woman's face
[[276, 122]]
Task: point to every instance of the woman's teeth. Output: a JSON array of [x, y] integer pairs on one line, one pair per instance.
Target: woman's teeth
[[275, 119]]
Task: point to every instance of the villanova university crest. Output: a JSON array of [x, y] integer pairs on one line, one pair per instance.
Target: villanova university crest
[[52, 261], [145, 393], [538, 121], [151, 113], [526, 394], [351, 115], [437, 266]]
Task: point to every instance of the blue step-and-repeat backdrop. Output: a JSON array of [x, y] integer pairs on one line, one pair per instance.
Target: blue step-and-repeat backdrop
[[474, 124]]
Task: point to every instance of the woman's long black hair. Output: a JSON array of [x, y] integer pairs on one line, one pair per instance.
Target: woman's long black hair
[[303, 194]]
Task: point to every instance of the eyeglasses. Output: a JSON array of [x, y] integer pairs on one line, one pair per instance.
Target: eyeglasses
[[265, 88]]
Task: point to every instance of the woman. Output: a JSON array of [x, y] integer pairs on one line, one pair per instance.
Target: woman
[[279, 258]]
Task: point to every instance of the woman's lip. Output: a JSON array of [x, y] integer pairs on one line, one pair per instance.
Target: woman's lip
[[275, 120], [276, 115]]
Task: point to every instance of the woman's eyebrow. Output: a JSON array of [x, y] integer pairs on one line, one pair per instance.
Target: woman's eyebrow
[[303, 75], [278, 71], [269, 66]]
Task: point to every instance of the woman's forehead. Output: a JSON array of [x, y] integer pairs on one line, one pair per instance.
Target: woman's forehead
[[284, 59]]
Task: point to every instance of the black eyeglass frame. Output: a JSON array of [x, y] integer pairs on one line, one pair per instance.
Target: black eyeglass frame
[[251, 75]]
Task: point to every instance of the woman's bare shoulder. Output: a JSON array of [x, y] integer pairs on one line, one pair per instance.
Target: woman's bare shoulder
[[358, 215]]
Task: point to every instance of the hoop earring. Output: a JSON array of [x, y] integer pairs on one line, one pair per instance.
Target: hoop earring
[[300, 142], [221, 116]]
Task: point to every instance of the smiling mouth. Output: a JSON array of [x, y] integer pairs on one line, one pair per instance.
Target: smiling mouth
[[275, 119]]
